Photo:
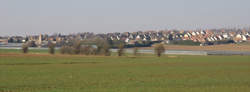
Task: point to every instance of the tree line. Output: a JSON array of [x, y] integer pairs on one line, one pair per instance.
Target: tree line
[[93, 47]]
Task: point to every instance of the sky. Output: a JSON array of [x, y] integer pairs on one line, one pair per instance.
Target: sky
[[30, 17]]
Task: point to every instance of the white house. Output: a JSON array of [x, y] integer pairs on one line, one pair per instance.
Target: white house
[[220, 37], [197, 33], [212, 39], [244, 38], [117, 37], [202, 32], [238, 36], [225, 36], [215, 38], [193, 33], [111, 38], [127, 40], [209, 39], [138, 37]]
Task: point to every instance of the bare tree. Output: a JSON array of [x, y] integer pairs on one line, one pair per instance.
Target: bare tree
[[62, 50], [120, 49], [25, 48], [106, 49], [159, 49], [135, 51], [51, 48], [77, 47]]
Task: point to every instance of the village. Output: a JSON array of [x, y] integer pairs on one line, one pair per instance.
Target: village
[[140, 38]]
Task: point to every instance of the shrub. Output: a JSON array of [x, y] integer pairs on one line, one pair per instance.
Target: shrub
[[51, 48], [25, 48], [159, 49], [120, 49]]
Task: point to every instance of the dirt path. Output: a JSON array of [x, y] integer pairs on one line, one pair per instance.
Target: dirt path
[[228, 47]]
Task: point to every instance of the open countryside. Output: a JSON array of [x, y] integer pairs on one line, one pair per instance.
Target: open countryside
[[124, 46]]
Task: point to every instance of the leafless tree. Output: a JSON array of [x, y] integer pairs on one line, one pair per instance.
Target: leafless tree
[[159, 49], [77, 47], [25, 48], [120, 49], [51, 48], [135, 51]]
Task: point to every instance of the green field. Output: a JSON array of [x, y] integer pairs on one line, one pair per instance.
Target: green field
[[76, 73], [34, 51]]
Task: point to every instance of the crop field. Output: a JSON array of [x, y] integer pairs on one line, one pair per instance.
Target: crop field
[[145, 73]]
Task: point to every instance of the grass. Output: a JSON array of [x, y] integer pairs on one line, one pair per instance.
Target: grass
[[77, 73], [57, 51], [34, 51]]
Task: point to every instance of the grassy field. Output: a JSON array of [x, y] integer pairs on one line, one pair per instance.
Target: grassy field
[[33, 51], [76, 73]]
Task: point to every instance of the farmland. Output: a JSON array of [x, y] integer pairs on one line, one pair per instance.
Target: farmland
[[144, 73]]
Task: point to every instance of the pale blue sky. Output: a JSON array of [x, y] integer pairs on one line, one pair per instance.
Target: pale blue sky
[[21, 17]]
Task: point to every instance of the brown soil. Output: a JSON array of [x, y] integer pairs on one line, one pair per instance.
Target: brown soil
[[227, 47]]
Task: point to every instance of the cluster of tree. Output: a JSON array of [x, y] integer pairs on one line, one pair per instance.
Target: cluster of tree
[[99, 47]]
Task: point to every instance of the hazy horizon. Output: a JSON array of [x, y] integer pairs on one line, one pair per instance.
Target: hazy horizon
[[24, 17]]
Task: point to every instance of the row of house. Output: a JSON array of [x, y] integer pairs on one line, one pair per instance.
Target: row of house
[[166, 36], [196, 36]]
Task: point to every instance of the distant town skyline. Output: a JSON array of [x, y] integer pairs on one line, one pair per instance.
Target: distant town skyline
[[29, 17]]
